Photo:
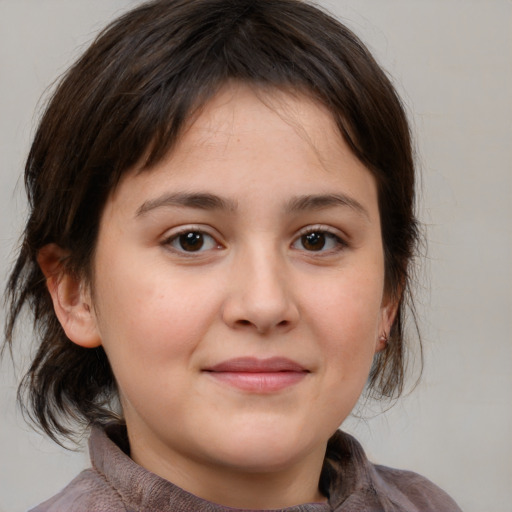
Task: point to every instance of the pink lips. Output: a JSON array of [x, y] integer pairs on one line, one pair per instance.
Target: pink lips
[[258, 375]]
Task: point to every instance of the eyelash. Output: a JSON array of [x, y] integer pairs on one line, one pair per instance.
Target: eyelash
[[190, 230], [339, 243], [325, 233]]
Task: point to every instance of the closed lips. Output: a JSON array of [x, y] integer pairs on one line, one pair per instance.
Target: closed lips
[[255, 365], [258, 376]]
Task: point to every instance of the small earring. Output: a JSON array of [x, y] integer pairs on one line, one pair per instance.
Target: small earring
[[383, 338]]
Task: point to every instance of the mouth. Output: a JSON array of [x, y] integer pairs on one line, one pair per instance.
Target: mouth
[[258, 375]]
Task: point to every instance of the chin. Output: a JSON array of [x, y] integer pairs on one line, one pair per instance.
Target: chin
[[264, 449]]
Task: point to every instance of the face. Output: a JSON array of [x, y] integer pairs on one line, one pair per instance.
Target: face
[[239, 289]]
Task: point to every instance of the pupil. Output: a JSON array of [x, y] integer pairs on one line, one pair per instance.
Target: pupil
[[313, 241], [192, 241]]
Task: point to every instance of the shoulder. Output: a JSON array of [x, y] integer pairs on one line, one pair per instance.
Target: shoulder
[[354, 483], [409, 487], [87, 492]]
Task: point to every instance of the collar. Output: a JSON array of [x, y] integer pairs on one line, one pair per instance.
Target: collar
[[346, 471]]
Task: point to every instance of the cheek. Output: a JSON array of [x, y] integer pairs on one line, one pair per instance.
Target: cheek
[[152, 315], [353, 297], [346, 312], [150, 326]]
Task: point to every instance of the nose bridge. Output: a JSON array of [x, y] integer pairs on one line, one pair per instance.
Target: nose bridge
[[261, 296], [266, 272]]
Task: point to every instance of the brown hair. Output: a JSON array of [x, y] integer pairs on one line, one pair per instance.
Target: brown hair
[[127, 99]]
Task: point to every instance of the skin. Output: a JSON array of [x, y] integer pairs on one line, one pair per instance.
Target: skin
[[258, 287]]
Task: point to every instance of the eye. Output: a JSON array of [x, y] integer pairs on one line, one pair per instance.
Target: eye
[[319, 240], [192, 241]]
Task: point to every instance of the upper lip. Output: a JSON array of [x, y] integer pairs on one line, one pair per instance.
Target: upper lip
[[257, 365]]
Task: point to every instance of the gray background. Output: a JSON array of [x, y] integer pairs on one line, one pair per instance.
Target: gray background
[[452, 62]]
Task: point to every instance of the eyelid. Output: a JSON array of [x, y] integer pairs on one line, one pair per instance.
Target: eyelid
[[319, 227]]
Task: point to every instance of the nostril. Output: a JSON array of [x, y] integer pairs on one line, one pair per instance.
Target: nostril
[[248, 323]]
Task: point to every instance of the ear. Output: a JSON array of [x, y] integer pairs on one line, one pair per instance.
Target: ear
[[388, 313], [71, 298]]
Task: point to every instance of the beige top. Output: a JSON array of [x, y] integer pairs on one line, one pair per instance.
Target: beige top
[[115, 483]]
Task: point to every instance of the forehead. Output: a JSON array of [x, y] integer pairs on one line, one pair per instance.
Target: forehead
[[247, 139], [242, 114]]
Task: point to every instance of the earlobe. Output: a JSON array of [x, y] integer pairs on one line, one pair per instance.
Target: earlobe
[[388, 315], [71, 298]]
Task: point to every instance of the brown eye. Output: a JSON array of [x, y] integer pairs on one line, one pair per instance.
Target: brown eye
[[313, 241], [321, 241], [191, 242]]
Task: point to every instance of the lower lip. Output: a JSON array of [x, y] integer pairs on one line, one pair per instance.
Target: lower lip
[[259, 382]]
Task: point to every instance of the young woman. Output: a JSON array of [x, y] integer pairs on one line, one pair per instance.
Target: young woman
[[221, 228]]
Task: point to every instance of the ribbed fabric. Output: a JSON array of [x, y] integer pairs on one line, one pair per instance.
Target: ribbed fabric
[[117, 484]]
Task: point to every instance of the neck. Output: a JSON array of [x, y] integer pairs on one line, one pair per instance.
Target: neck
[[236, 487], [252, 490]]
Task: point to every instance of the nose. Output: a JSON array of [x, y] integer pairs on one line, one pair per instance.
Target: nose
[[260, 296]]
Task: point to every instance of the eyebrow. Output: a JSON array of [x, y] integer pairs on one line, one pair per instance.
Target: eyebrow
[[322, 201], [207, 201], [202, 201]]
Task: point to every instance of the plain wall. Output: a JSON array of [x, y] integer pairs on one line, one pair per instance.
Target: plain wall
[[452, 62]]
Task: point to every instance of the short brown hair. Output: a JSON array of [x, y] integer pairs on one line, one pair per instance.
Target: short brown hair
[[127, 99]]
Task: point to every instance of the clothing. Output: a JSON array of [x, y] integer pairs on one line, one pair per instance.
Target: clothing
[[117, 484]]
